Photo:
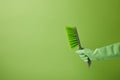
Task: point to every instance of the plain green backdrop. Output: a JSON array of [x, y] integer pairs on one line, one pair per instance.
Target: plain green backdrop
[[34, 45]]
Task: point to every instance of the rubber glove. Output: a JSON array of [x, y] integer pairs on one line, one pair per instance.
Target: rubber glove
[[107, 52]]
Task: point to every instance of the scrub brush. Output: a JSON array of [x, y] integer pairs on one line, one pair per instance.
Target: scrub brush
[[74, 40]]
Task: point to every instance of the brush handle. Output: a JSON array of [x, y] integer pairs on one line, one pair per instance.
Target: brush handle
[[80, 47], [89, 62]]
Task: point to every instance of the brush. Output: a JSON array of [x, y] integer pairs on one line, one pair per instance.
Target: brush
[[74, 40]]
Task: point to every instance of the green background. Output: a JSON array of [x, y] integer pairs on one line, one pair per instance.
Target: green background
[[34, 45]]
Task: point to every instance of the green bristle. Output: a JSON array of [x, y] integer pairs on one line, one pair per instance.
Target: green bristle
[[73, 44], [72, 38]]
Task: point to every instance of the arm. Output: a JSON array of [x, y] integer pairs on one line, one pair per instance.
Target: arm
[[107, 52]]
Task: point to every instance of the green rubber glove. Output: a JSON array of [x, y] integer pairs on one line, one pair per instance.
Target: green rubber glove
[[103, 53]]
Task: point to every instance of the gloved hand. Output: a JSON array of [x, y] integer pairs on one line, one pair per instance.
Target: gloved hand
[[85, 53], [103, 53]]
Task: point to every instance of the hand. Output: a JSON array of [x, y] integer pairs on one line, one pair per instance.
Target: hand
[[85, 54]]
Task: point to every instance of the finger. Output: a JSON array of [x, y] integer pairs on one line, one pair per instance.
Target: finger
[[86, 60], [82, 56], [80, 52]]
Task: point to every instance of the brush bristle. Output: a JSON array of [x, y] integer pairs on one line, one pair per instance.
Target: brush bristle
[[72, 37]]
